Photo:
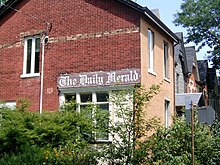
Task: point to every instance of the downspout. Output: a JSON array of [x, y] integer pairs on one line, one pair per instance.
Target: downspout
[[44, 42], [174, 78]]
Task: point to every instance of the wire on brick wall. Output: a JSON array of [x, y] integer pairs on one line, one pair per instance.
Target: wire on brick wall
[[48, 25]]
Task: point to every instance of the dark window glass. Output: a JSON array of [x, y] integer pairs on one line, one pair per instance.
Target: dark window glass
[[166, 62], [177, 83], [86, 97], [102, 97], [101, 136], [104, 107], [69, 97], [86, 110], [70, 106], [37, 55], [104, 125], [83, 107], [29, 48]]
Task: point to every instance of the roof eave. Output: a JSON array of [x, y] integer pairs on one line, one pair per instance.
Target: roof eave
[[161, 25], [146, 12]]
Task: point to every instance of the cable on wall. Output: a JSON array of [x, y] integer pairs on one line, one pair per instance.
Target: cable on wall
[[48, 25]]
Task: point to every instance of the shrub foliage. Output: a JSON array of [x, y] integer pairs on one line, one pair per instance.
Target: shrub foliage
[[66, 137]]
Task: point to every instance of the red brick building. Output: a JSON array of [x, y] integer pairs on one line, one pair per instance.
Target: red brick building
[[102, 40]]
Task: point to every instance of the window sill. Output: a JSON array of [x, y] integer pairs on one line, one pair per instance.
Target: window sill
[[152, 72], [103, 141], [30, 75], [167, 80]]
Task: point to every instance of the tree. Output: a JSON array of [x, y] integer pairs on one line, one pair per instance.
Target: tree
[[173, 145], [201, 18], [3, 1], [130, 132]]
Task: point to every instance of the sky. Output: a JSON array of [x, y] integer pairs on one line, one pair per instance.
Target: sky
[[167, 10]]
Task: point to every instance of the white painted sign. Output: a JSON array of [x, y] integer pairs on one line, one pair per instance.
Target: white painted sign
[[122, 77]]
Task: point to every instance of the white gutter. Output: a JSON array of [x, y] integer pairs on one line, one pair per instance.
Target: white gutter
[[160, 26]]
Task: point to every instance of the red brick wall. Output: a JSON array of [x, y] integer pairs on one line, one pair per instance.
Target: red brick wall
[[105, 45]]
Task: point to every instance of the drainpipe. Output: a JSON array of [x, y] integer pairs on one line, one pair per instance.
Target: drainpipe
[[44, 42], [174, 79]]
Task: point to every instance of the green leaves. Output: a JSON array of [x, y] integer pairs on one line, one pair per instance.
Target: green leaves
[[49, 129], [130, 127], [173, 145], [65, 137], [202, 20]]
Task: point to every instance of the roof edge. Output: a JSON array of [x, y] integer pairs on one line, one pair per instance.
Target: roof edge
[[160, 24], [147, 12]]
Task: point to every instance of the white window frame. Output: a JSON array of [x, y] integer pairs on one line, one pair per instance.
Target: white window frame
[[151, 52], [93, 101], [8, 104], [167, 113], [32, 69], [166, 61], [113, 118], [113, 109]]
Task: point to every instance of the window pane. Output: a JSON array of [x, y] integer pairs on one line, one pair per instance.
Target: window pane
[[166, 62], [86, 110], [102, 123], [102, 97], [104, 107], [69, 97], [149, 39], [150, 49], [83, 107], [37, 45], [86, 97], [37, 55], [70, 106], [177, 83], [102, 136], [167, 113], [29, 49], [37, 59]]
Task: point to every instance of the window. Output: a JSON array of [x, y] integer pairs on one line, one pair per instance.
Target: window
[[101, 100], [103, 104], [167, 112], [150, 51], [8, 104], [31, 56], [177, 83], [166, 61], [112, 104]]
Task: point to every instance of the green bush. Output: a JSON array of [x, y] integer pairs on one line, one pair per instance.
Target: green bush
[[26, 137], [130, 133], [48, 129], [69, 155], [28, 155], [62, 137], [173, 145]]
